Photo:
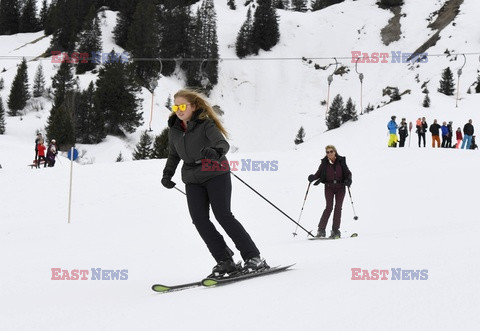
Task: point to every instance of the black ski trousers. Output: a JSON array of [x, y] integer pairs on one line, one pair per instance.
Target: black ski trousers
[[217, 192], [420, 137]]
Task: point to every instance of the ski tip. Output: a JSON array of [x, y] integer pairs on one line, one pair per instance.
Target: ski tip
[[209, 282], [160, 288]]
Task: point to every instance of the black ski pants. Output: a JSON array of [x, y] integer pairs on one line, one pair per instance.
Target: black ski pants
[[421, 136], [217, 192]]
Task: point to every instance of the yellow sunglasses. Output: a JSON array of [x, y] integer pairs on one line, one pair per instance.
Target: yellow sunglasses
[[181, 107]]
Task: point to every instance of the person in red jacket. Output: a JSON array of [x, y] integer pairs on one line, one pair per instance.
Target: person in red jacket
[[41, 154], [459, 137]]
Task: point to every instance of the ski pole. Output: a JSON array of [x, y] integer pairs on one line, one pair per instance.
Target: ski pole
[[350, 194], [301, 211], [410, 135], [291, 219], [179, 190]]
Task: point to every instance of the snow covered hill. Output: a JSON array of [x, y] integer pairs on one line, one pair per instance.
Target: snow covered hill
[[417, 207]]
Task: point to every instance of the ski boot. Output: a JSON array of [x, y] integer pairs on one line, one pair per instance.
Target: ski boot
[[255, 264], [320, 233], [225, 268], [335, 234]]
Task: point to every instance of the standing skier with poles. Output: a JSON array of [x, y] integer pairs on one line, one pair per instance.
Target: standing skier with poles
[[196, 135], [334, 173]]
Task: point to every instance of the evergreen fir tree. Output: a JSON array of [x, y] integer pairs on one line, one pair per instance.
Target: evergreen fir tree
[[265, 30], [300, 135], [282, 4], [2, 83], [143, 150], [90, 40], [39, 82], [350, 112], [65, 20], [89, 121], [243, 45], [426, 101], [124, 20], [176, 27], [60, 123], [231, 4], [19, 94], [477, 88], [144, 42], [447, 84], [168, 103], [204, 45], [368, 109], [160, 145], [2, 117], [43, 15], [115, 97], [299, 5], [392, 3], [320, 4], [28, 18], [334, 117], [62, 82], [119, 158], [9, 17]]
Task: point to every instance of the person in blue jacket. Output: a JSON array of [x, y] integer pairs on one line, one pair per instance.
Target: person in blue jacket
[[445, 133], [392, 129]]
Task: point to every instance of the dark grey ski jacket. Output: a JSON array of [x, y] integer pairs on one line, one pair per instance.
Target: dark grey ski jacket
[[188, 146]]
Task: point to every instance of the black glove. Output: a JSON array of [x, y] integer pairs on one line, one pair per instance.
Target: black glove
[[210, 153], [311, 178], [348, 182], [167, 182]]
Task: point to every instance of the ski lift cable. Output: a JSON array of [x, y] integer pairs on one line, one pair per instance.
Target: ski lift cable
[[195, 59]]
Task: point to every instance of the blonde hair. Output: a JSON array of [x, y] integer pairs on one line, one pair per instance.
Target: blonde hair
[[331, 147], [200, 102]]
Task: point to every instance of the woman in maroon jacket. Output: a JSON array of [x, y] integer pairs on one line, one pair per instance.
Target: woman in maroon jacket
[[334, 173]]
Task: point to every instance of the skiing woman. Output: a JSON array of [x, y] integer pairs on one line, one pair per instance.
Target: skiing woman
[[334, 173], [197, 137]]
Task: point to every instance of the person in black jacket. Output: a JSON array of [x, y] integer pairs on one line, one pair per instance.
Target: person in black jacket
[[197, 137], [334, 173], [37, 141], [435, 131], [422, 127], [468, 132], [403, 132], [450, 134]]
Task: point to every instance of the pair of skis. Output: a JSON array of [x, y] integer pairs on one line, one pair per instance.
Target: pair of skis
[[212, 282], [354, 235]]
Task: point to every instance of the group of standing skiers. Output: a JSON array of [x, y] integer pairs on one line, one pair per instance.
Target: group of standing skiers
[[44, 153], [445, 131], [196, 134]]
